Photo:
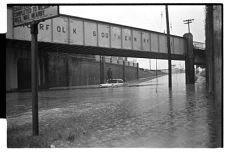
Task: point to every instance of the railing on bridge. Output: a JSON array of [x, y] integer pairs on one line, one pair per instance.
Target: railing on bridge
[[199, 45]]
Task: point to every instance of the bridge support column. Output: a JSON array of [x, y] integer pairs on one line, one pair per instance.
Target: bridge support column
[[189, 61]]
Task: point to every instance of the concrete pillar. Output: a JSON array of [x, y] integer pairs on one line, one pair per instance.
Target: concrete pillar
[[218, 66], [218, 52], [189, 61], [214, 60], [209, 49]]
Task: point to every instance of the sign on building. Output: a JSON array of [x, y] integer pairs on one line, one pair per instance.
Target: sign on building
[[27, 14]]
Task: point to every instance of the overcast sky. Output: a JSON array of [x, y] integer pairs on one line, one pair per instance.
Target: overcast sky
[[150, 17]]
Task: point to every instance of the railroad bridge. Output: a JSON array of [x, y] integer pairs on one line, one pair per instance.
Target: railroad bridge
[[70, 34]]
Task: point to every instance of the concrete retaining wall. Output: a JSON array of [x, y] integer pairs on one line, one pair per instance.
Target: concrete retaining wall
[[72, 71], [59, 70]]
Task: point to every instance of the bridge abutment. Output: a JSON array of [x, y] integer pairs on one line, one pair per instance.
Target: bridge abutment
[[189, 60]]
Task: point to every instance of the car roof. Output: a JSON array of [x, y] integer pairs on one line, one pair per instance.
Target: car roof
[[117, 79]]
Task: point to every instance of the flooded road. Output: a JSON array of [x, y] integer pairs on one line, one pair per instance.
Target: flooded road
[[145, 115]]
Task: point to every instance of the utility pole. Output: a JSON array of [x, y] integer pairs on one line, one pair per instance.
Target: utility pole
[[168, 46], [188, 21]]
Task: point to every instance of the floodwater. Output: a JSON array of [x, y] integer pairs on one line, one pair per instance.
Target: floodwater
[[147, 114]]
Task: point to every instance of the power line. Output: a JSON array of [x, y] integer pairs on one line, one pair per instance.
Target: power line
[[188, 21]]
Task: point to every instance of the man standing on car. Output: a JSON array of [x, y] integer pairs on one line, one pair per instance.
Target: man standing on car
[[109, 74]]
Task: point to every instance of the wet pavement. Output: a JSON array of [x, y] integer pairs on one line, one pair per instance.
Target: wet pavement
[[145, 115]]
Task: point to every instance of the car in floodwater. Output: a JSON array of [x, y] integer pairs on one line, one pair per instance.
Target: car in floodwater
[[113, 83]]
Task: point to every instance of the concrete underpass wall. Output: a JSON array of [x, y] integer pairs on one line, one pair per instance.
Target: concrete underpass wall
[[65, 70], [61, 70], [147, 73], [214, 55], [214, 51], [18, 75], [11, 69], [117, 71], [72, 71], [83, 72]]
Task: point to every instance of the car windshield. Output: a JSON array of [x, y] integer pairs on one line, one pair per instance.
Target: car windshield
[[115, 81], [112, 81]]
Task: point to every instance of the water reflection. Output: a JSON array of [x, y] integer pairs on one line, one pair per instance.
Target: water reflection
[[190, 103], [190, 117], [171, 128]]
